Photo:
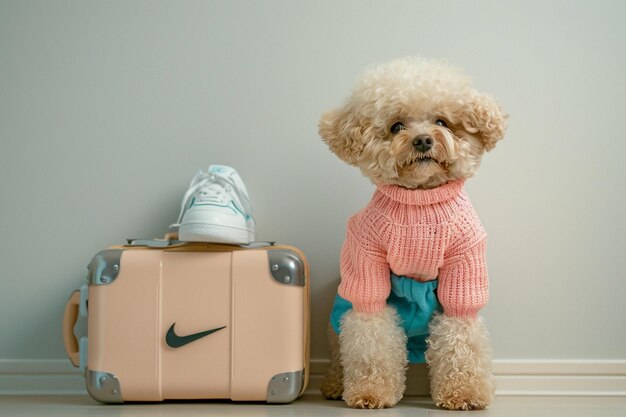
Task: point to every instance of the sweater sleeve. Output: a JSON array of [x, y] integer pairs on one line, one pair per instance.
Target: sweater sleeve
[[463, 284], [365, 274]]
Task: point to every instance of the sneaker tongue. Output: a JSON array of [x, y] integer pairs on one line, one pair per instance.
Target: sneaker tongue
[[221, 170]]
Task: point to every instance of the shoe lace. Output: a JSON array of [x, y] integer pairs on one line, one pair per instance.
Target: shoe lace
[[215, 188]]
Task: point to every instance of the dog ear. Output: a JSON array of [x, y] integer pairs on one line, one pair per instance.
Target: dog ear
[[342, 132], [484, 116]]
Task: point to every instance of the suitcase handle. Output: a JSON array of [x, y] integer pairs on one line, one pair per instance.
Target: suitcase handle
[[170, 240], [171, 236], [69, 320]]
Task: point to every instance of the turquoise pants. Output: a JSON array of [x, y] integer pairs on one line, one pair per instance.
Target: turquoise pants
[[415, 302]]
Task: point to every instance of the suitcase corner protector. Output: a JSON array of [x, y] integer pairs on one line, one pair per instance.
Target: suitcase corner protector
[[285, 388], [287, 267], [103, 386], [104, 267]]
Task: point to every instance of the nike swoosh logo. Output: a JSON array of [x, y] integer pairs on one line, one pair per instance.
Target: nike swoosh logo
[[175, 341]]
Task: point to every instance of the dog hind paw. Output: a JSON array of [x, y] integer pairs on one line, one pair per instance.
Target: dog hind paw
[[332, 390]]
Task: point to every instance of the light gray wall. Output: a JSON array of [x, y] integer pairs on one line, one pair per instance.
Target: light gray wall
[[107, 108]]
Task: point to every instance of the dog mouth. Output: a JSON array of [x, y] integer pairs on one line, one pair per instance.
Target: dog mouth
[[424, 160]]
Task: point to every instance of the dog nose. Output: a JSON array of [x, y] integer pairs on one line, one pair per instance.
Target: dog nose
[[423, 143]]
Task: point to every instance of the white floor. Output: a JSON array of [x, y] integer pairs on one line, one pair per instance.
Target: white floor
[[310, 405]]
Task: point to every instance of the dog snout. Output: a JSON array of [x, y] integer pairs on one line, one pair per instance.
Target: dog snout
[[423, 143]]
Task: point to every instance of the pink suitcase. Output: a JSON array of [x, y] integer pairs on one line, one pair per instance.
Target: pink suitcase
[[165, 319]]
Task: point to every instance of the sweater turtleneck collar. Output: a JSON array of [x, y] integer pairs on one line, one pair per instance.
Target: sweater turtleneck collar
[[422, 197]]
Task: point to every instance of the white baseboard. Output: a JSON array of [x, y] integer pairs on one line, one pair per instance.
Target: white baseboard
[[40, 377], [513, 377], [527, 377]]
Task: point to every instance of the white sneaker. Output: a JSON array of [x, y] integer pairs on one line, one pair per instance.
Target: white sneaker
[[216, 208]]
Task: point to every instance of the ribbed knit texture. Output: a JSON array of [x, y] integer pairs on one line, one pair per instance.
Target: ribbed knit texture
[[422, 234]]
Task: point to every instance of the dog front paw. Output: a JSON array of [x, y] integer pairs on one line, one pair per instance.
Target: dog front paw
[[460, 364], [374, 359], [461, 392], [372, 399], [462, 404]]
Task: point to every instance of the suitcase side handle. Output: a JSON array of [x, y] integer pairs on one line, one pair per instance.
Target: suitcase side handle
[[69, 320], [75, 323]]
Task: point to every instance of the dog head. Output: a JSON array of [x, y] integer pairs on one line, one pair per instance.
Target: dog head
[[414, 122]]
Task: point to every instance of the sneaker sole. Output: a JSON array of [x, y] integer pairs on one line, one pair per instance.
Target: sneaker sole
[[198, 232]]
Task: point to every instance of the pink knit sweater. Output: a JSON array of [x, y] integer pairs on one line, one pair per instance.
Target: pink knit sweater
[[422, 234]]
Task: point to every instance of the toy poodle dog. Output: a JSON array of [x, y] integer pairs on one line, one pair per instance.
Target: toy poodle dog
[[413, 270]]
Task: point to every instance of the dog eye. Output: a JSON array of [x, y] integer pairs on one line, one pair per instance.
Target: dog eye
[[441, 122], [397, 127]]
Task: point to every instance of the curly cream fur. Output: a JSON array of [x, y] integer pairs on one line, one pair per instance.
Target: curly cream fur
[[416, 92], [459, 357], [373, 358]]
